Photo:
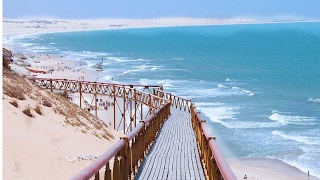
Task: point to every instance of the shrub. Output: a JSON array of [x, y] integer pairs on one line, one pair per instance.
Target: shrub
[[14, 103], [83, 131], [27, 111], [14, 91], [47, 103], [38, 110]]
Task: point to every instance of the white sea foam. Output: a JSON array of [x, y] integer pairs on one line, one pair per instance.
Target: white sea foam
[[298, 138], [219, 114], [287, 119], [248, 92], [314, 100], [225, 115], [215, 92], [123, 59], [208, 104], [305, 167], [130, 71], [166, 83], [146, 81], [108, 77], [222, 86], [228, 80]]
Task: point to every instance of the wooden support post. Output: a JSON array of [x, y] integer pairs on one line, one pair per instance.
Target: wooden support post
[[124, 163], [124, 115], [135, 108], [51, 85], [107, 173], [95, 99], [96, 104], [114, 108], [80, 94]]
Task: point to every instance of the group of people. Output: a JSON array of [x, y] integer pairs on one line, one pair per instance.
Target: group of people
[[104, 105]]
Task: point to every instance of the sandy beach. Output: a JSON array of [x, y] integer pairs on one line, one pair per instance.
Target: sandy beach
[[264, 168], [50, 151]]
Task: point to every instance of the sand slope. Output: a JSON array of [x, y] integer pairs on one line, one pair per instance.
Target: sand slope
[[37, 147]]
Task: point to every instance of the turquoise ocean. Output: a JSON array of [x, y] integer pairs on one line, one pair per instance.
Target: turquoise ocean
[[257, 85]]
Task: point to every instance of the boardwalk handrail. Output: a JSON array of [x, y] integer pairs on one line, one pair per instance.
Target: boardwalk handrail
[[117, 90], [128, 152], [215, 165], [135, 98], [176, 101]]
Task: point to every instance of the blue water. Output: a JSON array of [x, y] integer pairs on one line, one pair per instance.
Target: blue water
[[258, 86]]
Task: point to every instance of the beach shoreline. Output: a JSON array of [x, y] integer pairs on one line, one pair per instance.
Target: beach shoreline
[[253, 168], [12, 27], [267, 168]]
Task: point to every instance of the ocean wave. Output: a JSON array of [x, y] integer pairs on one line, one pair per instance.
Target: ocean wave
[[85, 55], [222, 86], [215, 92], [123, 59], [146, 82], [166, 83], [218, 114], [130, 71], [287, 119], [314, 100], [225, 115], [228, 80], [208, 104], [218, 91], [309, 163], [298, 138]]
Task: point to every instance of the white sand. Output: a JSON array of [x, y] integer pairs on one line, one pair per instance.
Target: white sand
[[14, 26], [36, 148], [44, 157], [266, 169]]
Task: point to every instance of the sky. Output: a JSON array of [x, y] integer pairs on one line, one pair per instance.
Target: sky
[[137, 9]]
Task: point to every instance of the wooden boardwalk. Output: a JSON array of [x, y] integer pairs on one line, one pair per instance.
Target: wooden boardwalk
[[174, 154]]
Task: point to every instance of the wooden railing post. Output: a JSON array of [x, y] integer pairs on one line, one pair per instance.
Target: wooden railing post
[[116, 167], [80, 94], [51, 85], [125, 161], [107, 173]]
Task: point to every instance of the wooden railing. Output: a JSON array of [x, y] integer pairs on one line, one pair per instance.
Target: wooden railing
[[134, 98], [176, 101], [129, 152], [215, 165]]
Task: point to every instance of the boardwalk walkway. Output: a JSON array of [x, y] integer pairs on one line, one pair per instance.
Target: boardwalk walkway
[[174, 154]]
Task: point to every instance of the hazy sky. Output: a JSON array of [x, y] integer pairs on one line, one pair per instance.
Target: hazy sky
[[271, 9]]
